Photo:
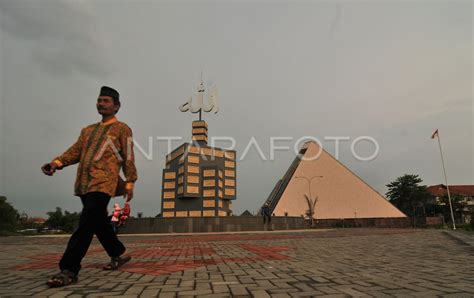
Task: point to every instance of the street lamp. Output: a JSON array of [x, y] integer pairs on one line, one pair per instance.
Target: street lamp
[[309, 181]]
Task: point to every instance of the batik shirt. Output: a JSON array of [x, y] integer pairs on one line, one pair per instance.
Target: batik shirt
[[102, 150]]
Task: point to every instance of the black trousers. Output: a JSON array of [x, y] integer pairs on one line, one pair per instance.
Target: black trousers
[[93, 220], [267, 219]]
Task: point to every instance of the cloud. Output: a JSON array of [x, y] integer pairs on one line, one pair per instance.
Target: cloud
[[62, 35], [336, 21]]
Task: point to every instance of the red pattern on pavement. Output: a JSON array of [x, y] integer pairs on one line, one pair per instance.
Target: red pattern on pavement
[[185, 257]]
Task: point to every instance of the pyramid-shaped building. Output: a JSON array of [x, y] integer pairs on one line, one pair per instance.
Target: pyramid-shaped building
[[340, 192]]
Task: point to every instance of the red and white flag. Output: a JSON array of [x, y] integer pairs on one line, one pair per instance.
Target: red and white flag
[[435, 134]]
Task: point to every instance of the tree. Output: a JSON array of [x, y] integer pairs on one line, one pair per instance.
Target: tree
[[472, 220], [458, 203], [70, 221], [408, 195], [9, 216], [311, 208], [65, 222], [54, 218]]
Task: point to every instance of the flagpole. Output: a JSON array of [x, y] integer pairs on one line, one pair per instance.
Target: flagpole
[[446, 180]]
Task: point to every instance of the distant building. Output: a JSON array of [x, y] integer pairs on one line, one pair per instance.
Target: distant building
[[37, 220], [465, 191], [340, 192]]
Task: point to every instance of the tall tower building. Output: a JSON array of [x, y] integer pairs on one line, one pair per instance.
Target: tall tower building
[[199, 180]]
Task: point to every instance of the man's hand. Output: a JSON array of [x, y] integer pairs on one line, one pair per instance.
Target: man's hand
[[128, 195], [49, 168]]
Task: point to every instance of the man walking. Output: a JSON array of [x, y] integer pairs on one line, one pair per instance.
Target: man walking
[[267, 215], [101, 150]]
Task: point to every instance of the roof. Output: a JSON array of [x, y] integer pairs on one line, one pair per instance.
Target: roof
[[37, 220], [440, 190], [246, 213]]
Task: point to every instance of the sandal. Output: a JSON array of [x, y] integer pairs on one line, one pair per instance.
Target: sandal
[[116, 262], [62, 279]]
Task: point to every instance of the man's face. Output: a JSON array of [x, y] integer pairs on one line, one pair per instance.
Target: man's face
[[106, 106]]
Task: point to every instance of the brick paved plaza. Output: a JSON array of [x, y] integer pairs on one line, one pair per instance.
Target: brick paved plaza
[[328, 263]]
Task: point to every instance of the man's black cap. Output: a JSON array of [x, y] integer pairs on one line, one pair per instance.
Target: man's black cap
[[107, 91]]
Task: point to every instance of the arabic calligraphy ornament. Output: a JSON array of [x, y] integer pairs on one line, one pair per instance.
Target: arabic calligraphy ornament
[[198, 106]]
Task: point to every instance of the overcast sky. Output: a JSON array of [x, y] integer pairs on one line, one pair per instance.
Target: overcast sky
[[392, 70]]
